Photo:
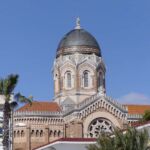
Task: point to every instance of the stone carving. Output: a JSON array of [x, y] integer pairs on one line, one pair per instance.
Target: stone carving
[[78, 23], [98, 126]]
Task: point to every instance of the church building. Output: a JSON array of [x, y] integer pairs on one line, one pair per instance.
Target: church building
[[80, 107]]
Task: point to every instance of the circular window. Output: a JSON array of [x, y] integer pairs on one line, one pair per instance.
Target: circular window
[[99, 125]]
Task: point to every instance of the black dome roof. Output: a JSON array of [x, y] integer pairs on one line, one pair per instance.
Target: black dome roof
[[78, 38]]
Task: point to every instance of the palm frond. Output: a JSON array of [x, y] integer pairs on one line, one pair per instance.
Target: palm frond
[[12, 81], [22, 99], [131, 140], [8, 84], [1, 86], [13, 105]]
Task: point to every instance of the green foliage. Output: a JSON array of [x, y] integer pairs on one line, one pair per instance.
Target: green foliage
[[7, 85], [128, 140], [146, 116]]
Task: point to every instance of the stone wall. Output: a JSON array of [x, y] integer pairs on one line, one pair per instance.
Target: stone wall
[[27, 138]]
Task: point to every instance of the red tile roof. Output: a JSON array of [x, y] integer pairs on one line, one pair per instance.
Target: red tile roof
[[41, 106], [137, 124], [54, 107], [137, 109]]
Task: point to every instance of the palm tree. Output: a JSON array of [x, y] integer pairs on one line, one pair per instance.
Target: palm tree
[[131, 139], [146, 116], [7, 86]]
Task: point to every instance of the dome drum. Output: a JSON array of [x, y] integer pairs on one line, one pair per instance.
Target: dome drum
[[78, 49]]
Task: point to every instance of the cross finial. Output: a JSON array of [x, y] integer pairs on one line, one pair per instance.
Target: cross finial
[[78, 23]]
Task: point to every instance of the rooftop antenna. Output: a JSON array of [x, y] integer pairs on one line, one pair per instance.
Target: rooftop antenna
[[78, 23]]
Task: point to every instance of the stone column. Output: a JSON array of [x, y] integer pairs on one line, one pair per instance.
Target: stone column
[[46, 134], [28, 133]]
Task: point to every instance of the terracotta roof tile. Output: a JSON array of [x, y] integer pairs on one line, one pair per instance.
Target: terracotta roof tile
[[137, 124], [41, 106], [137, 109]]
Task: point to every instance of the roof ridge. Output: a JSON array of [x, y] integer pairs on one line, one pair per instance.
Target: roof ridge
[[69, 140], [41, 106], [136, 104]]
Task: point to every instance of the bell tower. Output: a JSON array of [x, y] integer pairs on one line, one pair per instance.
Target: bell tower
[[78, 70]]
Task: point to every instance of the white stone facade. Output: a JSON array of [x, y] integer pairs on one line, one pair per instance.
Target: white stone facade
[[87, 73], [79, 90]]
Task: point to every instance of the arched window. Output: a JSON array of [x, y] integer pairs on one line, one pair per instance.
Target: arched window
[[50, 133], [59, 133], [68, 76], [14, 134], [22, 133], [18, 133], [41, 133], [86, 79], [32, 133], [37, 133], [101, 79], [55, 133]]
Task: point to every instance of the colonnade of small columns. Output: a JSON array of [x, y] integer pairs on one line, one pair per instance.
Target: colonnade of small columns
[[102, 104]]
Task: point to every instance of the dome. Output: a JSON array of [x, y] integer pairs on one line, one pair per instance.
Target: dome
[[78, 40]]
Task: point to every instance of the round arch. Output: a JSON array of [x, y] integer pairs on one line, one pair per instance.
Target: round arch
[[99, 114]]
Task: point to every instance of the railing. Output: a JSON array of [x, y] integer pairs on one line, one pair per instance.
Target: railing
[[36, 113], [94, 98], [134, 116], [115, 103], [77, 107]]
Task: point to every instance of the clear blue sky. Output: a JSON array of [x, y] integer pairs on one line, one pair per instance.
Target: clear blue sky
[[31, 30]]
